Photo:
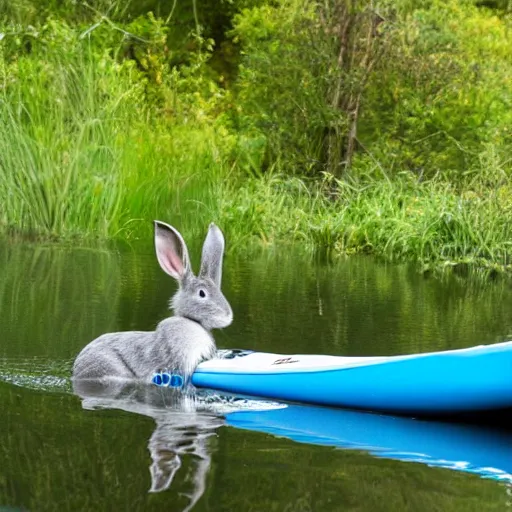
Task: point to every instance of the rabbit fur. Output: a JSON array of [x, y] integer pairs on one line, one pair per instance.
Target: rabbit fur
[[180, 342]]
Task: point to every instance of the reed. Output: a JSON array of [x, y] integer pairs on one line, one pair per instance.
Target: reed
[[89, 148]]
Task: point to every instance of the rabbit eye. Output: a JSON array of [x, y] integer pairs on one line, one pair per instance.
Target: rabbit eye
[[202, 294]]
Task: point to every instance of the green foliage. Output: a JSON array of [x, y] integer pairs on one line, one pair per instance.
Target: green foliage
[[284, 80], [434, 91], [114, 115], [88, 148], [442, 95], [431, 222]]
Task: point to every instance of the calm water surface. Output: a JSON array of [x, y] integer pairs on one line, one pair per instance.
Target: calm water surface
[[60, 453]]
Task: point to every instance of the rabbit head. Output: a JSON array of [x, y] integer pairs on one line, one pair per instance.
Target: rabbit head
[[198, 298]]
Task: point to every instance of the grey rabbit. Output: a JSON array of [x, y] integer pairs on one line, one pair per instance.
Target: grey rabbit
[[180, 342]]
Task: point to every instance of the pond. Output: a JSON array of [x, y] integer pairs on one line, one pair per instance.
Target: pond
[[58, 452]]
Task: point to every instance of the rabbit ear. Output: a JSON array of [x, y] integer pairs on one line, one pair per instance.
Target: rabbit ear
[[213, 251], [171, 251]]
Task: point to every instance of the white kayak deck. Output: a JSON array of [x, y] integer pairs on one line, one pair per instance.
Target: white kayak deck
[[263, 362]]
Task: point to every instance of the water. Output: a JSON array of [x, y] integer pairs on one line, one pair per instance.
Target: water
[[60, 453]]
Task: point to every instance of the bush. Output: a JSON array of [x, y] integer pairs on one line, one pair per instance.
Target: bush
[[442, 95]]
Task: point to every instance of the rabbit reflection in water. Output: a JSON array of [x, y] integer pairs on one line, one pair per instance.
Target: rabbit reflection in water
[[184, 425], [180, 342]]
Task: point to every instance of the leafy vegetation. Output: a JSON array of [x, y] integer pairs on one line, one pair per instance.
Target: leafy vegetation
[[357, 126]]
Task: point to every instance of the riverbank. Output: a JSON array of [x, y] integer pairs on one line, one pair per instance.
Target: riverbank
[[111, 123], [428, 222]]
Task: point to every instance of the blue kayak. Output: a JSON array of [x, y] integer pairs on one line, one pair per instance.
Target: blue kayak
[[449, 382]]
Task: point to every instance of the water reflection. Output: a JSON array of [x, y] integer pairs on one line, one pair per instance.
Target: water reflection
[[55, 300], [473, 448], [184, 424], [183, 427]]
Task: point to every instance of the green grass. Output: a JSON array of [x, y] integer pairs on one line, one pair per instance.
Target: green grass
[[431, 222], [81, 155], [81, 171]]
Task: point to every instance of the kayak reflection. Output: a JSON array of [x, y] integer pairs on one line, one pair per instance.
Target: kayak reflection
[[473, 448]]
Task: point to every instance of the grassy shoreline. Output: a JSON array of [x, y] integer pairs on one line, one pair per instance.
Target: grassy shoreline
[[429, 223], [102, 133]]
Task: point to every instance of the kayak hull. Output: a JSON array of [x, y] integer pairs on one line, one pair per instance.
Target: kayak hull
[[450, 382]]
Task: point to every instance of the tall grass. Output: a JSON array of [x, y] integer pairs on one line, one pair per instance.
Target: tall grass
[[81, 154], [432, 222]]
